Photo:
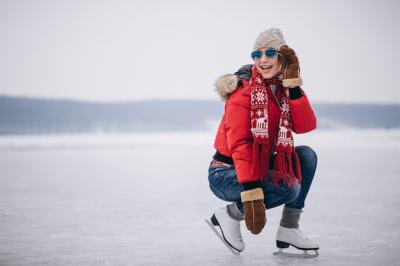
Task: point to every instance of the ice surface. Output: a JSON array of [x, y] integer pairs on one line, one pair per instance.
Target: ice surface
[[141, 199]]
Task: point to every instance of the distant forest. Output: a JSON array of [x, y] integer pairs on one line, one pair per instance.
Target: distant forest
[[21, 115]]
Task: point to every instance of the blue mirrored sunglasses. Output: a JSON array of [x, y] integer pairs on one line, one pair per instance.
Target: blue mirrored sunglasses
[[268, 53]]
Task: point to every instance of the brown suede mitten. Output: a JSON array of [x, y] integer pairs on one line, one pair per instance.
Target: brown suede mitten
[[254, 209], [290, 67]]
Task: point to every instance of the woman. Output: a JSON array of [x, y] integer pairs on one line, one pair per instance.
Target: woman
[[256, 165]]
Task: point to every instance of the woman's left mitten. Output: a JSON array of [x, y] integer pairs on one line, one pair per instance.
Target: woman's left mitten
[[254, 209], [290, 67]]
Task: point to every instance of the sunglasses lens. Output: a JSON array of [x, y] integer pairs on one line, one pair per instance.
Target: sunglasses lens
[[256, 54], [271, 53]]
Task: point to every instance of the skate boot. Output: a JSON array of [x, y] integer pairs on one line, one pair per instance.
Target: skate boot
[[286, 237], [228, 230]]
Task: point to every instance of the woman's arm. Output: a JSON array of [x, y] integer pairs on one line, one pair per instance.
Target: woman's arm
[[239, 139], [303, 117]]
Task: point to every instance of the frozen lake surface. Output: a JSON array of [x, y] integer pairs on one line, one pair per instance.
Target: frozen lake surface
[[141, 199]]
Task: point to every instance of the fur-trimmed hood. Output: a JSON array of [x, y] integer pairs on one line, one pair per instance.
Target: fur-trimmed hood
[[225, 85], [228, 83]]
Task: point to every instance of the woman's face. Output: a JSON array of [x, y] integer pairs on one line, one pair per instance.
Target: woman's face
[[267, 66]]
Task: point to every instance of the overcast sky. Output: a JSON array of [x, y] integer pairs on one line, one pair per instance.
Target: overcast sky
[[136, 50]]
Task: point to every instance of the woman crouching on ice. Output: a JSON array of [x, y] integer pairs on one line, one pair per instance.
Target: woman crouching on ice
[[256, 165]]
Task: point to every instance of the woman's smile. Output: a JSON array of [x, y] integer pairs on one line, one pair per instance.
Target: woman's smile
[[265, 67]]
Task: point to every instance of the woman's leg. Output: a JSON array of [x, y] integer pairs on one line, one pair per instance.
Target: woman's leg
[[275, 194], [308, 164], [288, 232], [292, 210], [223, 183]]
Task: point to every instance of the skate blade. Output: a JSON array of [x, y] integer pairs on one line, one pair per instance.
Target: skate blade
[[235, 252], [305, 254]]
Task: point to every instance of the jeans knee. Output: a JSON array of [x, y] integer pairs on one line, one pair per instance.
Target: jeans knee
[[219, 194], [224, 185], [307, 156]]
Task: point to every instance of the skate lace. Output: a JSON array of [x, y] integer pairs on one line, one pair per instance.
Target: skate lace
[[237, 229]]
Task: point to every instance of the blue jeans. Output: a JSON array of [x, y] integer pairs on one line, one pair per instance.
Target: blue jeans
[[224, 184]]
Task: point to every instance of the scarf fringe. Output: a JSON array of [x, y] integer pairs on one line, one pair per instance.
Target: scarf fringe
[[283, 168], [260, 162]]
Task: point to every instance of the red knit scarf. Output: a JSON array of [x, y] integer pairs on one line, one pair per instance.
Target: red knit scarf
[[259, 128]]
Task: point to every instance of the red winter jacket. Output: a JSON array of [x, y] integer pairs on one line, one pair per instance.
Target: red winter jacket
[[234, 138]]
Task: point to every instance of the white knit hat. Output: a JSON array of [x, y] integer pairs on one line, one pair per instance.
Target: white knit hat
[[270, 38]]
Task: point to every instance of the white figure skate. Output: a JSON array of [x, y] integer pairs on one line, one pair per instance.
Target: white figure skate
[[229, 229], [286, 237]]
